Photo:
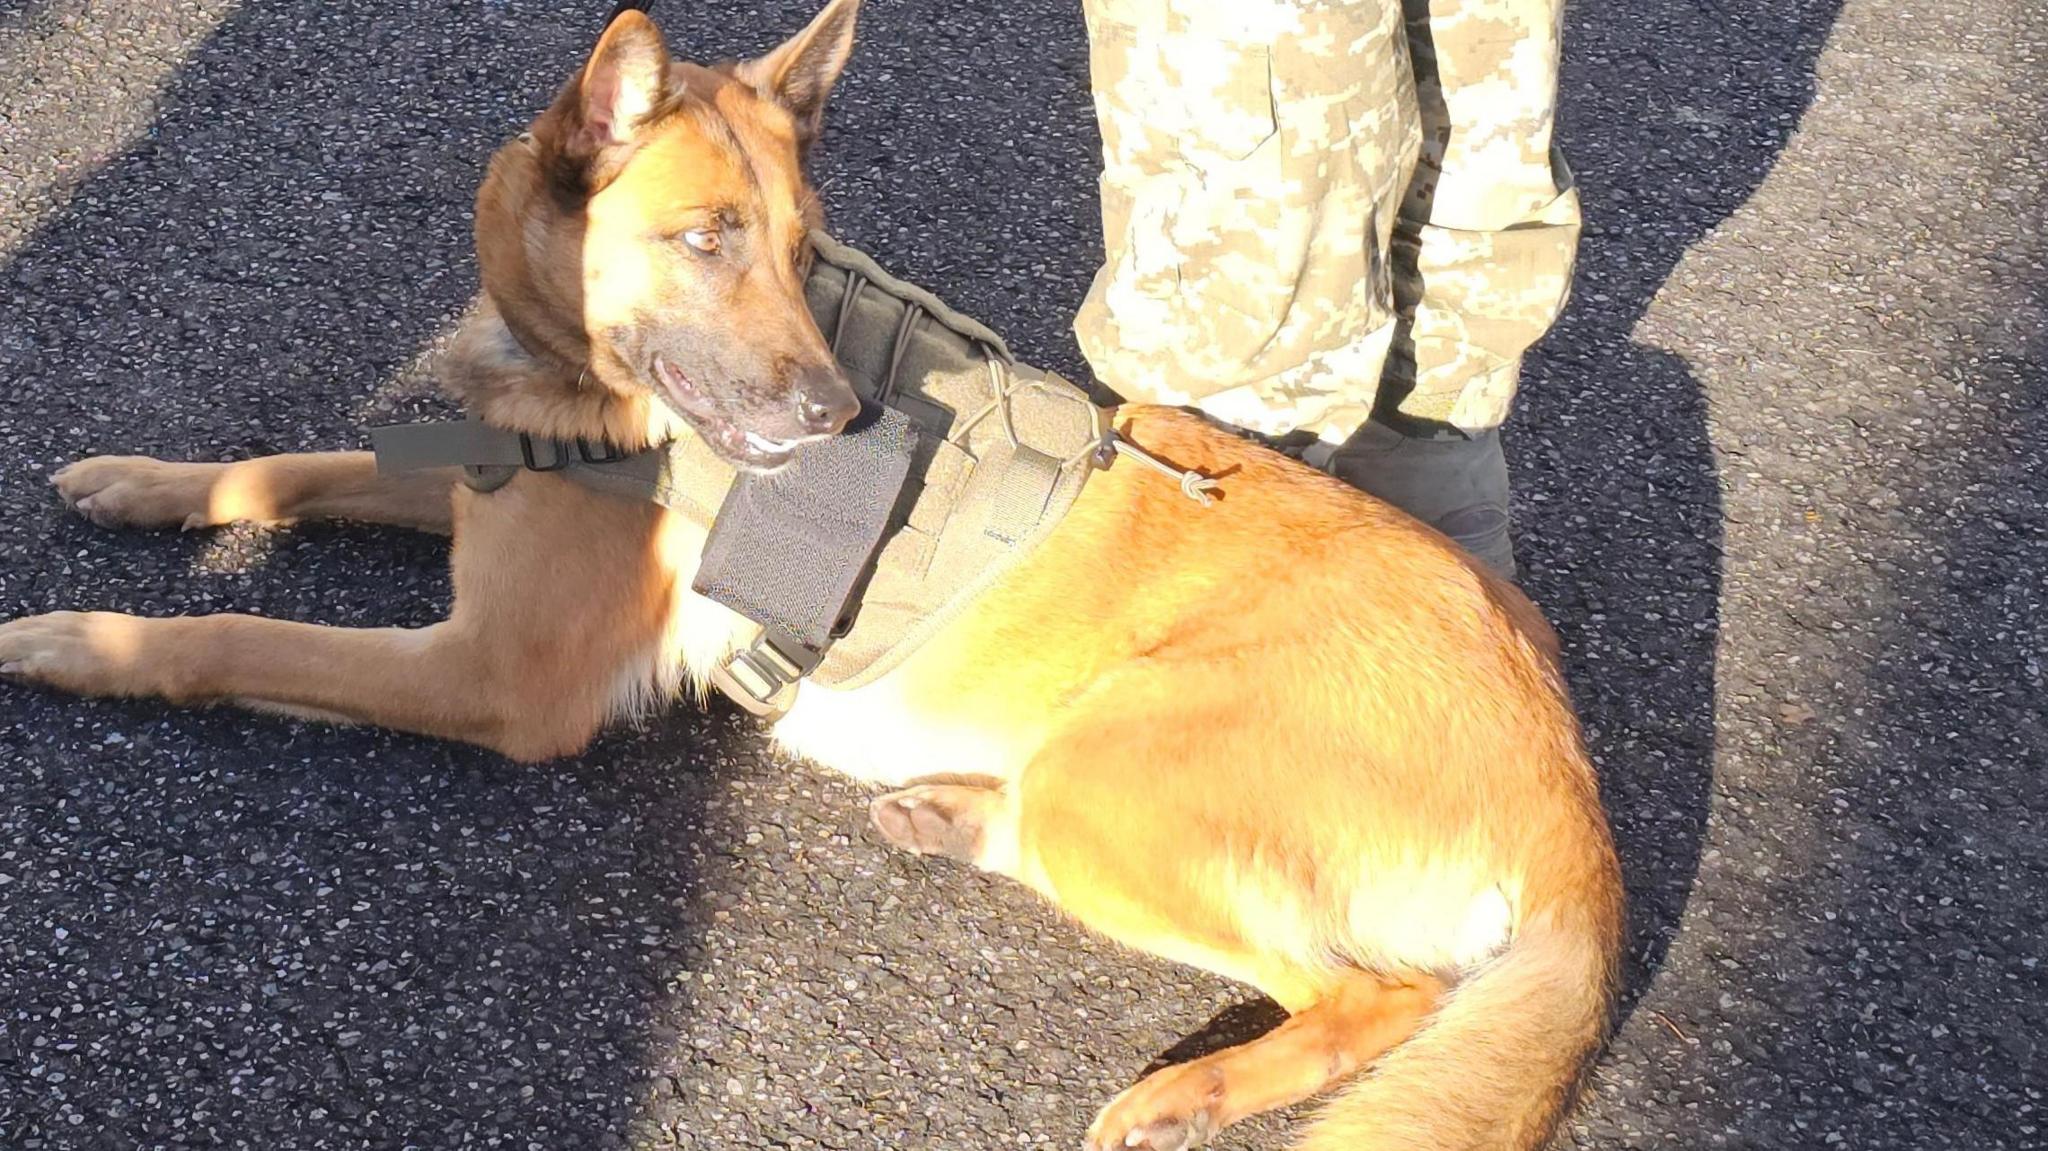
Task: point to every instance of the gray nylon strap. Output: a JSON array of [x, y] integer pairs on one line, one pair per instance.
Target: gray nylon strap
[[637, 477], [448, 443], [490, 457]]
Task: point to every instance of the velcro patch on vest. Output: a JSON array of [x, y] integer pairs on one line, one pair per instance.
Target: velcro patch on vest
[[790, 550], [1018, 495]]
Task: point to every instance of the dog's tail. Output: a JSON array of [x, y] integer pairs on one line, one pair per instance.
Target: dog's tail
[[1504, 1054]]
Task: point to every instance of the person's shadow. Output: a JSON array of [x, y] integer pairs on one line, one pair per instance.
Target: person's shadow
[[1672, 115]]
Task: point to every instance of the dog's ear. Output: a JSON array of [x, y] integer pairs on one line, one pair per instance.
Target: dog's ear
[[800, 73], [621, 84]]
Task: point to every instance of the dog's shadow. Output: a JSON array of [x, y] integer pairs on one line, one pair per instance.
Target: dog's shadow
[[1236, 1024], [222, 926]]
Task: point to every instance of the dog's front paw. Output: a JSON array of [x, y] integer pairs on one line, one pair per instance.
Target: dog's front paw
[[1170, 1110], [139, 492], [87, 653], [952, 820]]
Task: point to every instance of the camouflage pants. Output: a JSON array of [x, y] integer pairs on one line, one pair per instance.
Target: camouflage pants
[[1313, 207]]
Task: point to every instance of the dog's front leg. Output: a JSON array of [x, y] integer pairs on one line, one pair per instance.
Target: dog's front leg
[[139, 492], [438, 681]]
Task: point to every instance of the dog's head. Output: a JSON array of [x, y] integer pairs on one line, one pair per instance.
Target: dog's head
[[653, 226]]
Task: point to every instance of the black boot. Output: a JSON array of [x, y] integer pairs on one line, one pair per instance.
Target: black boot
[[1459, 485]]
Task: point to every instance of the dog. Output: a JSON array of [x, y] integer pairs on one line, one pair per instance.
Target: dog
[[1296, 739]]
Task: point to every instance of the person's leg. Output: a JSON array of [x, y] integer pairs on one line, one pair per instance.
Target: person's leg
[[1254, 156], [1483, 259]]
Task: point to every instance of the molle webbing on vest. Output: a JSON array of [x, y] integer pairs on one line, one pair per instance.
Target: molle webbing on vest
[[1004, 453]]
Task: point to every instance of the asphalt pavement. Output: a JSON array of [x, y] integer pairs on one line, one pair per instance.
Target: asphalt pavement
[[1782, 483]]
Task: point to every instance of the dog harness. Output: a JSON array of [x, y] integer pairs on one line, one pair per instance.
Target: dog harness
[[869, 542]]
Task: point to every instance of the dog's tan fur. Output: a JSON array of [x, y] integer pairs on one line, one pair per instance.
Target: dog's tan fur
[[1295, 738]]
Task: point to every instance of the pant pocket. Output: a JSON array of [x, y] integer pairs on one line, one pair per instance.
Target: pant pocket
[[1191, 192], [1163, 91]]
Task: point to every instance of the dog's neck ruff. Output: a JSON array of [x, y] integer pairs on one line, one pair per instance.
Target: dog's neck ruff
[[581, 372], [869, 542]]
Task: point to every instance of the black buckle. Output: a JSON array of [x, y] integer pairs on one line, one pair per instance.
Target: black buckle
[[612, 452], [560, 460], [606, 452]]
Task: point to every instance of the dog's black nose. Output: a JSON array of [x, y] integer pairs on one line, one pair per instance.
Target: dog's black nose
[[825, 401]]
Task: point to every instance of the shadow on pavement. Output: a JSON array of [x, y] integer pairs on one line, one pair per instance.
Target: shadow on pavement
[[1672, 116], [216, 928], [1877, 913]]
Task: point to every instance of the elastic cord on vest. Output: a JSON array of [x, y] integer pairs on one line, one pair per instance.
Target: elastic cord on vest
[[1109, 445], [898, 347]]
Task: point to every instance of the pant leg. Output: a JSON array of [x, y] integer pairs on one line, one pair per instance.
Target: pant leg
[[1489, 228], [1254, 157]]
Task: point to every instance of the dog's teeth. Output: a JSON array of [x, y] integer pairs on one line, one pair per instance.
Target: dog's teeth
[[767, 445]]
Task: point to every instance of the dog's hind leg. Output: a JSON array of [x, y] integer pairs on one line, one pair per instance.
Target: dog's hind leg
[[1162, 816], [1359, 1019], [136, 491], [1126, 886]]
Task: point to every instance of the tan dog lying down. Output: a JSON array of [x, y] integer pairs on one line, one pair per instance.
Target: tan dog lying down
[[1296, 739]]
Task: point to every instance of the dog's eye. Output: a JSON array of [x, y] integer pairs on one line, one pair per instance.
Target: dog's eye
[[704, 240]]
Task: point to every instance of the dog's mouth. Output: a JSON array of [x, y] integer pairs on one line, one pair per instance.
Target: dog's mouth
[[747, 450]]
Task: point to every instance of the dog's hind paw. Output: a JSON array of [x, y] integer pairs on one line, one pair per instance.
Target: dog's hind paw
[[139, 492], [1171, 1110]]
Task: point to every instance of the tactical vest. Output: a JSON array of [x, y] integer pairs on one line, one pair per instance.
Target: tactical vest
[[856, 553]]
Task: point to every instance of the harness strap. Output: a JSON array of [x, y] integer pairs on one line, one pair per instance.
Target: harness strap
[[684, 474], [444, 444]]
